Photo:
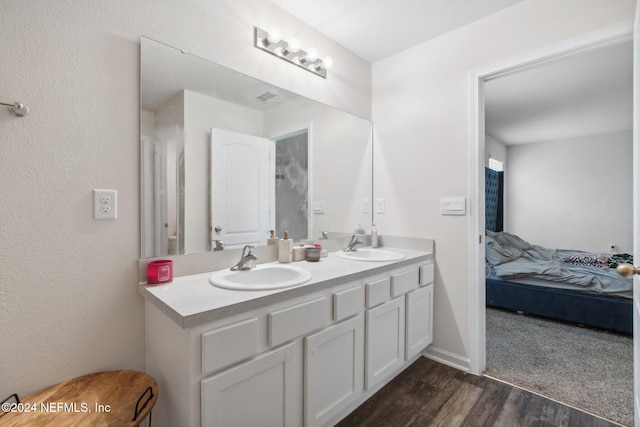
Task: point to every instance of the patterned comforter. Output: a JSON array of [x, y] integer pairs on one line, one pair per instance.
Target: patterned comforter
[[510, 257]]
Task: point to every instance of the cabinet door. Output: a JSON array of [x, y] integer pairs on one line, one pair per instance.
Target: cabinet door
[[419, 320], [260, 392], [334, 370], [385, 340]]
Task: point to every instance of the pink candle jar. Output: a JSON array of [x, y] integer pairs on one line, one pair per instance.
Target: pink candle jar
[[160, 271]]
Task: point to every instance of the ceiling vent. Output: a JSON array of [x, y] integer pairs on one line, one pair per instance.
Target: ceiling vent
[[266, 96]]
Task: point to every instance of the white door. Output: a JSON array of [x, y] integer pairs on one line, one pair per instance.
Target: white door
[[240, 188], [636, 213]]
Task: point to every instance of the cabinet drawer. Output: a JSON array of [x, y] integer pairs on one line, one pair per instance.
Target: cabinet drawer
[[228, 345], [378, 292], [402, 283], [348, 302], [291, 322], [426, 274]]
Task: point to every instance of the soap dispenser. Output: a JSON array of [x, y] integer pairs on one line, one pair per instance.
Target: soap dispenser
[[359, 231], [285, 248], [272, 240], [374, 235]]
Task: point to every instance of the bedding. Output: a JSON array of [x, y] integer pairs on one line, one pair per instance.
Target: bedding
[[510, 258], [567, 285]]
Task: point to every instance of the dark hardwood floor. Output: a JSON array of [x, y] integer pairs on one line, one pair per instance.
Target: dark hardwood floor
[[429, 393]]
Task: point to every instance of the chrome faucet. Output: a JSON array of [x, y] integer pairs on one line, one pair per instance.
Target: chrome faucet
[[247, 260], [219, 245], [351, 246]]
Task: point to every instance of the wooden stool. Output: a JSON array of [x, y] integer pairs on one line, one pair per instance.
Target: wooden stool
[[113, 398]]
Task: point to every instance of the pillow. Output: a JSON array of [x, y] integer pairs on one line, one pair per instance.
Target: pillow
[[497, 254]]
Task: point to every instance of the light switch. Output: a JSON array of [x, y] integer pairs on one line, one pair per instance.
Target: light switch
[[380, 206], [318, 207], [453, 206], [366, 205]]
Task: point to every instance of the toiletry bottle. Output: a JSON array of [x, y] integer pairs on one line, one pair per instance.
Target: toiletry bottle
[[272, 240], [374, 235], [299, 252], [359, 232], [285, 248]]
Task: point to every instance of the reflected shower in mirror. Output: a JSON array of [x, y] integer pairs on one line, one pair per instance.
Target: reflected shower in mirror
[[226, 157]]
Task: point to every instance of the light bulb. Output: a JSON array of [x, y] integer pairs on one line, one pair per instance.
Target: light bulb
[[294, 45], [274, 35], [327, 62], [312, 54]]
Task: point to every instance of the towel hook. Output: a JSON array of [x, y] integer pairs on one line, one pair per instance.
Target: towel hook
[[18, 109]]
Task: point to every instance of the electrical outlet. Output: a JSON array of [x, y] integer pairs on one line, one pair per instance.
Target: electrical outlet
[[105, 204]]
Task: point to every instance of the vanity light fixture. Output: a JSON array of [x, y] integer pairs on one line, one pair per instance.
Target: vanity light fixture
[[272, 42]]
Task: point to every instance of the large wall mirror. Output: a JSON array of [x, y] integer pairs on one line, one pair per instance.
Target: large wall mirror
[[225, 158]]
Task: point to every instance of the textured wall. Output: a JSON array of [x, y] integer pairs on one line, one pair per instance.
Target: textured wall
[[68, 300]]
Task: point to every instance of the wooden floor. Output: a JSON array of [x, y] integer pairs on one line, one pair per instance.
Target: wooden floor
[[429, 393]]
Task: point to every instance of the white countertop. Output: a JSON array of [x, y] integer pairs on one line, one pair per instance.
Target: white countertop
[[192, 300]]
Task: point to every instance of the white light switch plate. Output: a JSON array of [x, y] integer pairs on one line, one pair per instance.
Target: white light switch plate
[[318, 207], [366, 205], [453, 206], [380, 206]]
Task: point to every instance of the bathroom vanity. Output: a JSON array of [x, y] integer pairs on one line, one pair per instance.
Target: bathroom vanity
[[306, 355]]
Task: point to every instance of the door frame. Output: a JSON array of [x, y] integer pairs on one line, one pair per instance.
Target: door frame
[[607, 36]]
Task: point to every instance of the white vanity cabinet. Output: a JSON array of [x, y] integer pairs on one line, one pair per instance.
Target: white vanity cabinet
[[261, 391], [334, 370], [419, 333], [385, 341], [306, 360]]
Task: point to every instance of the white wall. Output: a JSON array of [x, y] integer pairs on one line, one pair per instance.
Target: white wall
[[494, 149], [572, 194], [421, 116], [68, 298]]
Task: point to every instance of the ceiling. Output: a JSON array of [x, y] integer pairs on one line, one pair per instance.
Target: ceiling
[[584, 94], [166, 71], [377, 29]]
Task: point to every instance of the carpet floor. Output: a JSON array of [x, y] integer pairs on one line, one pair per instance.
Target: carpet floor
[[585, 368]]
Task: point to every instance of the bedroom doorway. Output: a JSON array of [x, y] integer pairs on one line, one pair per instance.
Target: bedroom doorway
[[607, 37]]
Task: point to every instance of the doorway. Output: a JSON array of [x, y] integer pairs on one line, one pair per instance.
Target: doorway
[[292, 186], [607, 37]]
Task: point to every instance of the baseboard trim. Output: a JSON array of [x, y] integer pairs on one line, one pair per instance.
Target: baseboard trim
[[448, 358]]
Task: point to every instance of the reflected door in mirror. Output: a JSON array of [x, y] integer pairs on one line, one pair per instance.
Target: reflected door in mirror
[[240, 190]]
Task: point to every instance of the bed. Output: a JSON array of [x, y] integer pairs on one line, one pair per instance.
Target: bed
[[567, 285]]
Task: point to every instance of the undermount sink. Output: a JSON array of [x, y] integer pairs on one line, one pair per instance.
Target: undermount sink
[[263, 277], [371, 254]]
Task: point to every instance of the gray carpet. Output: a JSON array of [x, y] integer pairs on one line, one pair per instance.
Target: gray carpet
[[584, 368]]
